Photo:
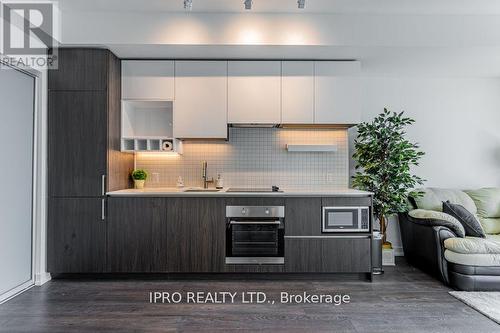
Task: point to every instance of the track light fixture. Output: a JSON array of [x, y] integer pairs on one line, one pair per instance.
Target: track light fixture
[[188, 4], [301, 4], [248, 4]]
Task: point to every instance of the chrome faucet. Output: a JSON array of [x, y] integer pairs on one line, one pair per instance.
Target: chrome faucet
[[206, 180]]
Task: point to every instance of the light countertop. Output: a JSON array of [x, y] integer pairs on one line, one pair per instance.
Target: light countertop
[[182, 192]]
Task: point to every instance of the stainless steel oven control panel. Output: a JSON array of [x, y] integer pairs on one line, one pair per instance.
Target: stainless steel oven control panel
[[255, 211]]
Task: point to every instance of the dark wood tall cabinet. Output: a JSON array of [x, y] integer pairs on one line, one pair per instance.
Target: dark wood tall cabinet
[[84, 158], [77, 143]]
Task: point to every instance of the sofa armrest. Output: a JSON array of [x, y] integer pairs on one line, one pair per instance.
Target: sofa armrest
[[442, 234], [423, 245], [434, 218]]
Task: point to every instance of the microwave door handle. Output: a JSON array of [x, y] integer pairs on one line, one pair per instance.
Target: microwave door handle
[[256, 222]]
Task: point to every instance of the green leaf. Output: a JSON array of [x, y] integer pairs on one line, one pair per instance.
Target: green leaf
[[384, 158]]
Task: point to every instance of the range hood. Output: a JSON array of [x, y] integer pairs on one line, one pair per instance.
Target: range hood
[[254, 125], [316, 126]]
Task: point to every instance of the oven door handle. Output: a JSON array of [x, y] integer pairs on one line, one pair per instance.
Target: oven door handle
[[256, 222]]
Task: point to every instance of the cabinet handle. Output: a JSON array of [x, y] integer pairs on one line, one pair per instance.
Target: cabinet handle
[[103, 209], [256, 222], [103, 185]]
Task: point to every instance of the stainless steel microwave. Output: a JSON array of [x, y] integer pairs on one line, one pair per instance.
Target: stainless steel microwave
[[346, 219]]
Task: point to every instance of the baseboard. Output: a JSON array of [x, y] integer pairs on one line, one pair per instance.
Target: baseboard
[[42, 278], [16, 291]]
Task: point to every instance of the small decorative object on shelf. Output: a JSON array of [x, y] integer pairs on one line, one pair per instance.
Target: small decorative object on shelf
[[139, 176], [167, 145], [384, 159]]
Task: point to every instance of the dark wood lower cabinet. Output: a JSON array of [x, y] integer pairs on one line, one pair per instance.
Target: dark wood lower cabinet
[[185, 235], [76, 236], [196, 235], [303, 216], [327, 255], [137, 235]]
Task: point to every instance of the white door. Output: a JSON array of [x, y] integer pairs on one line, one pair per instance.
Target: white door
[[254, 92], [148, 79], [298, 92], [16, 167], [337, 92], [200, 107]]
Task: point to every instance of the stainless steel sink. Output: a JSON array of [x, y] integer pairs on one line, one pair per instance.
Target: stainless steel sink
[[202, 190]]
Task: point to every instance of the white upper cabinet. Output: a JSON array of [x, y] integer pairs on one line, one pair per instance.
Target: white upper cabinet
[[298, 92], [200, 107], [148, 80], [254, 92], [337, 92]]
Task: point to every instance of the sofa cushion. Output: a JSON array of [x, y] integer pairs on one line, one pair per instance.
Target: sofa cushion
[[490, 225], [433, 218], [474, 245], [471, 224], [491, 260], [433, 198], [487, 201]]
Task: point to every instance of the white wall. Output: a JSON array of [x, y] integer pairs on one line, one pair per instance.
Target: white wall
[[457, 125]]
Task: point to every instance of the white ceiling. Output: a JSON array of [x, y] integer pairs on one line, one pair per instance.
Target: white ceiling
[[441, 7], [395, 37]]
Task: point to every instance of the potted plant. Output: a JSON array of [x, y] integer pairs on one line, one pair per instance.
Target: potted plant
[[139, 176], [384, 159]]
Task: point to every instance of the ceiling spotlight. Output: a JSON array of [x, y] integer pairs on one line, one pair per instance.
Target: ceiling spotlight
[[301, 4], [188, 4], [248, 4]]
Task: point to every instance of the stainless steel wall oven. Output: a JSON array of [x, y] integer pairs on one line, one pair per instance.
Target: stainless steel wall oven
[[255, 234]]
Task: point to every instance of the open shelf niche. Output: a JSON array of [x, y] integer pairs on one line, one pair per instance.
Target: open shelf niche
[[147, 127]]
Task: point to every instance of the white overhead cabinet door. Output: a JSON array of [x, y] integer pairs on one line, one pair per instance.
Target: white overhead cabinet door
[[254, 92], [298, 92], [337, 92], [200, 107], [148, 80]]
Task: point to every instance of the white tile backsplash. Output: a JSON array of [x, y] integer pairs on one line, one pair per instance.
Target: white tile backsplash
[[256, 157]]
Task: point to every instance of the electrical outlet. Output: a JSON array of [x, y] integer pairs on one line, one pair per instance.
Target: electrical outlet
[[330, 178], [155, 177]]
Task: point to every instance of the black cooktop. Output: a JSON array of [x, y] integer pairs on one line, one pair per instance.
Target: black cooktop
[[254, 189]]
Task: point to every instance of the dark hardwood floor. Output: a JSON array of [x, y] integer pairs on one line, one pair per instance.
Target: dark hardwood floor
[[402, 300]]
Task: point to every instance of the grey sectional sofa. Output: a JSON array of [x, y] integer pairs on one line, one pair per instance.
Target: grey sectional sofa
[[434, 241]]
